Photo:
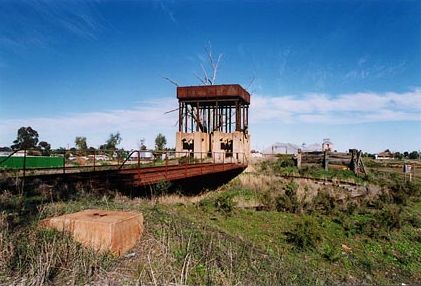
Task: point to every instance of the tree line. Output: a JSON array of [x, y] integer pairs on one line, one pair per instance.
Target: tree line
[[28, 139]]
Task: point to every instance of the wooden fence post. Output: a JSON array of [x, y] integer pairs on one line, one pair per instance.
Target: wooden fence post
[[353, 163], [326, 160], [299, 158]]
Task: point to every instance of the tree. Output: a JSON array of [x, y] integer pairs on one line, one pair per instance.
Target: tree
[[210, 72], [112, 142], [414, 155], [398, 155], [27, 138], [209, 68], [45, 148], [80, 143], [160, 142]]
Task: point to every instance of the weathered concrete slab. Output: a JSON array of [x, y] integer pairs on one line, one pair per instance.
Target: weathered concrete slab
[[114, 231]]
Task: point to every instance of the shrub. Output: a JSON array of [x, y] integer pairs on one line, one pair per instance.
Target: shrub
[[288, 201], [413, 220], [401, 191], [161, 188], [206, 204], [264, 166], [225, 204], [351, 207], [291, 189], [367, 226], [390, 217], [305, 235], [331, 253], [324, 202], [288, 171], [283, 162], [267, 201], [283, 203]]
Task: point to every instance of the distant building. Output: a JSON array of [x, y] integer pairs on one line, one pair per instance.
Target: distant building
[[385, 155], [256, 154], [144, 155], [327, 145], [20, 153], [289, 148]]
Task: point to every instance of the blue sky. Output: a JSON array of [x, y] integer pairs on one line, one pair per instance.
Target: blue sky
[[345, 70]]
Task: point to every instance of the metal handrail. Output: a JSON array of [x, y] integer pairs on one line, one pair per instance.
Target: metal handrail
[[128, 157], [182, 157]]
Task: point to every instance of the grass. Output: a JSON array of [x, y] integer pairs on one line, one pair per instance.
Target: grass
[[234, 235], [287, 235]]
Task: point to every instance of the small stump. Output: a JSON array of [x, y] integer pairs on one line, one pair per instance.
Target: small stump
[[114, 231]]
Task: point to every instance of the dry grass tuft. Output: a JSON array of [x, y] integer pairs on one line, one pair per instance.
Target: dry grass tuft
[[179, 199]]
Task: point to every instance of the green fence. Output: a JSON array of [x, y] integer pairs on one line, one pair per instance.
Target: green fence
[[31, 162]]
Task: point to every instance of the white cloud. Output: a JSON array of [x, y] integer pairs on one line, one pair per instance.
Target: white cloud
[[147, 119], [342, 109]]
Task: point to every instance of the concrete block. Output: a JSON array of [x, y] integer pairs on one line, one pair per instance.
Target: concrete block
[[114, 231]]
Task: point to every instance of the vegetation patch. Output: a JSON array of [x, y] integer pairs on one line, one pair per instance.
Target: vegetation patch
[[290, 238]]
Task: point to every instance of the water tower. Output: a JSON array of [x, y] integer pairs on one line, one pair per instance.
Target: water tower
[[213, 122]]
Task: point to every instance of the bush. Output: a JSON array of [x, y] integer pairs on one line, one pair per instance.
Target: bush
[[390, 217], [161, 188], [267, 201], [413, 220], [284, 165], [225, 204], [351, 207], [291, 189], [284, 204], [402, 191], [377, 224], [305, 235], [324, 203], [331, 253], [265, 166], [288, 201], [288, 171], [283, 162], [367, 226]]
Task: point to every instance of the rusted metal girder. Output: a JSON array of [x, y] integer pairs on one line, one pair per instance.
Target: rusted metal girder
[[148, 176], [213, 92], [138, 177]]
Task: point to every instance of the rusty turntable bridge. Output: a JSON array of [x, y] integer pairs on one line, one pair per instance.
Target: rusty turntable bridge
[[136, 169], [212, 141]]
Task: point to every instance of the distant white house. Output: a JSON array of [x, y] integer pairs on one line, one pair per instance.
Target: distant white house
[[385, 155], [144, 155], [20, 153]]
